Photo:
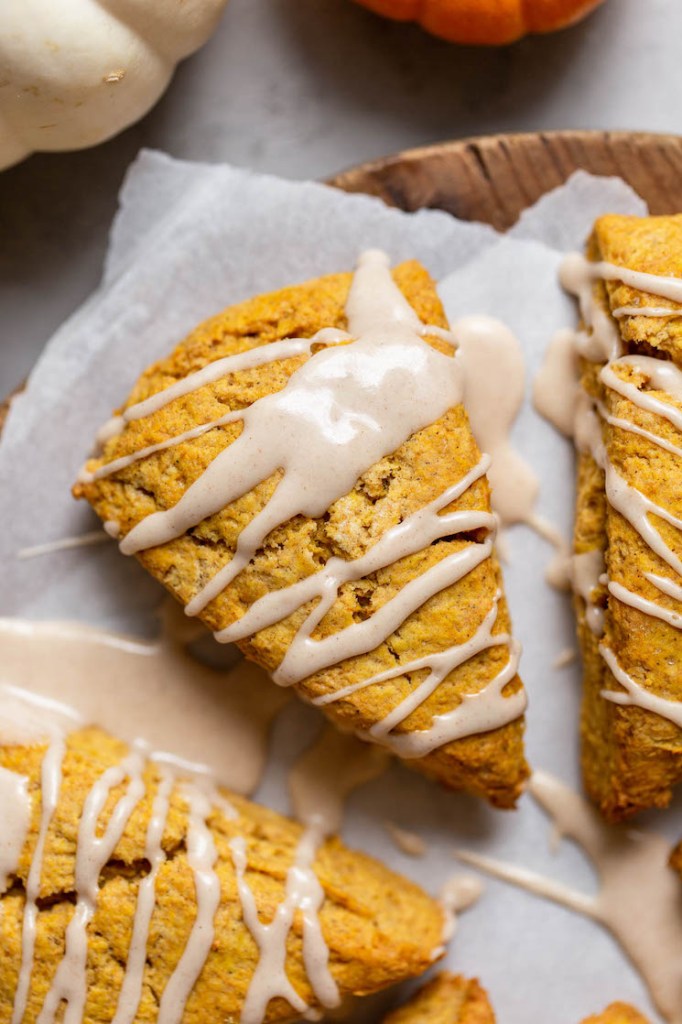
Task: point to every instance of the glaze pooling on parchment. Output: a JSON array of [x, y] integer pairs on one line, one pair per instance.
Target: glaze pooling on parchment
[[29, 719], [598, 340], [639, 898], [231, 710], [494, 388], [354, 400]]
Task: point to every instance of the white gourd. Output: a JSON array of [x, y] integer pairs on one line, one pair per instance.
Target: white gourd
[[75, 72]]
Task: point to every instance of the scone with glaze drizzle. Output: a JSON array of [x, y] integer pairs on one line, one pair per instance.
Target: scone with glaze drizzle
[[628, 532], [301, 474], [130, 893]]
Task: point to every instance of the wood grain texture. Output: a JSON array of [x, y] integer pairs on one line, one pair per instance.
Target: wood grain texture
[[494, 178]]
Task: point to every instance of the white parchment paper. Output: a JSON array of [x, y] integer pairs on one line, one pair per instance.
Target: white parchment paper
[[190, 239]]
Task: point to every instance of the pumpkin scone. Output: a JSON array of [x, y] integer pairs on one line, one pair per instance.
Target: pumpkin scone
[[131, 893], [301, 474], [617, 1013], [447, 999], [628, 532]]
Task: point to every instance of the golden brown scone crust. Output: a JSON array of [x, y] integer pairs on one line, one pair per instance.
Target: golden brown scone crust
[[652, 245], [447, 999], [631, 757], [380, 928], [617, 1013], [492, 764]]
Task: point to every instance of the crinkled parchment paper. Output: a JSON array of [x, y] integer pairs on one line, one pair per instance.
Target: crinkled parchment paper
[[191, 239]]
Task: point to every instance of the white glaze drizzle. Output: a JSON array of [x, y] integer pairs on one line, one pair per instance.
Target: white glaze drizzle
[[557, 572], [457, 894], [216, 370], [320, 781], [201, 857], [642, 604], [63, 544], [493, 366], [494, 386], [665, 585], [366, 636], [50, 785], [636, 508], [649, 311], [408, 842], [634, 428], [585, 573], [15, 818], [116, 465], [633, 693], [325, 775], [92, 853], [601, 340], [597, 342], [131, 988], [343, 410], [556, 387], [638, 898], [340, 413], [477, 711], [664, 376], [305, 894], [653, 284], [565, 657], [415, 532]]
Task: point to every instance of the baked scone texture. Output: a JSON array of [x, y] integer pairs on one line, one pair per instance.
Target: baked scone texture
[[379, 927], [447, 999], [617, 1013], [490, 764], [632, 757]]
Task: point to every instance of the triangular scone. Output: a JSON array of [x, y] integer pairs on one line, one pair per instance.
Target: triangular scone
[[185, 966], [447, 999], [630, 618], [487, 759], [618, 1013]]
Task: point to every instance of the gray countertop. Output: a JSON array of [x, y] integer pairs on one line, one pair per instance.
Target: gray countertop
[[303, 88]]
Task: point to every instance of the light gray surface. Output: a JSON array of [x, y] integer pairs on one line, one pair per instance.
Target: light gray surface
[[303, 88]]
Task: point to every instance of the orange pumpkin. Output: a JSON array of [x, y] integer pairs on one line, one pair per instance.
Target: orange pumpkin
[[484, 22]]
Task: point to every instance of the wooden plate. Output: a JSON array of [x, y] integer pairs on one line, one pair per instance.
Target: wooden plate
[[494, 178]]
